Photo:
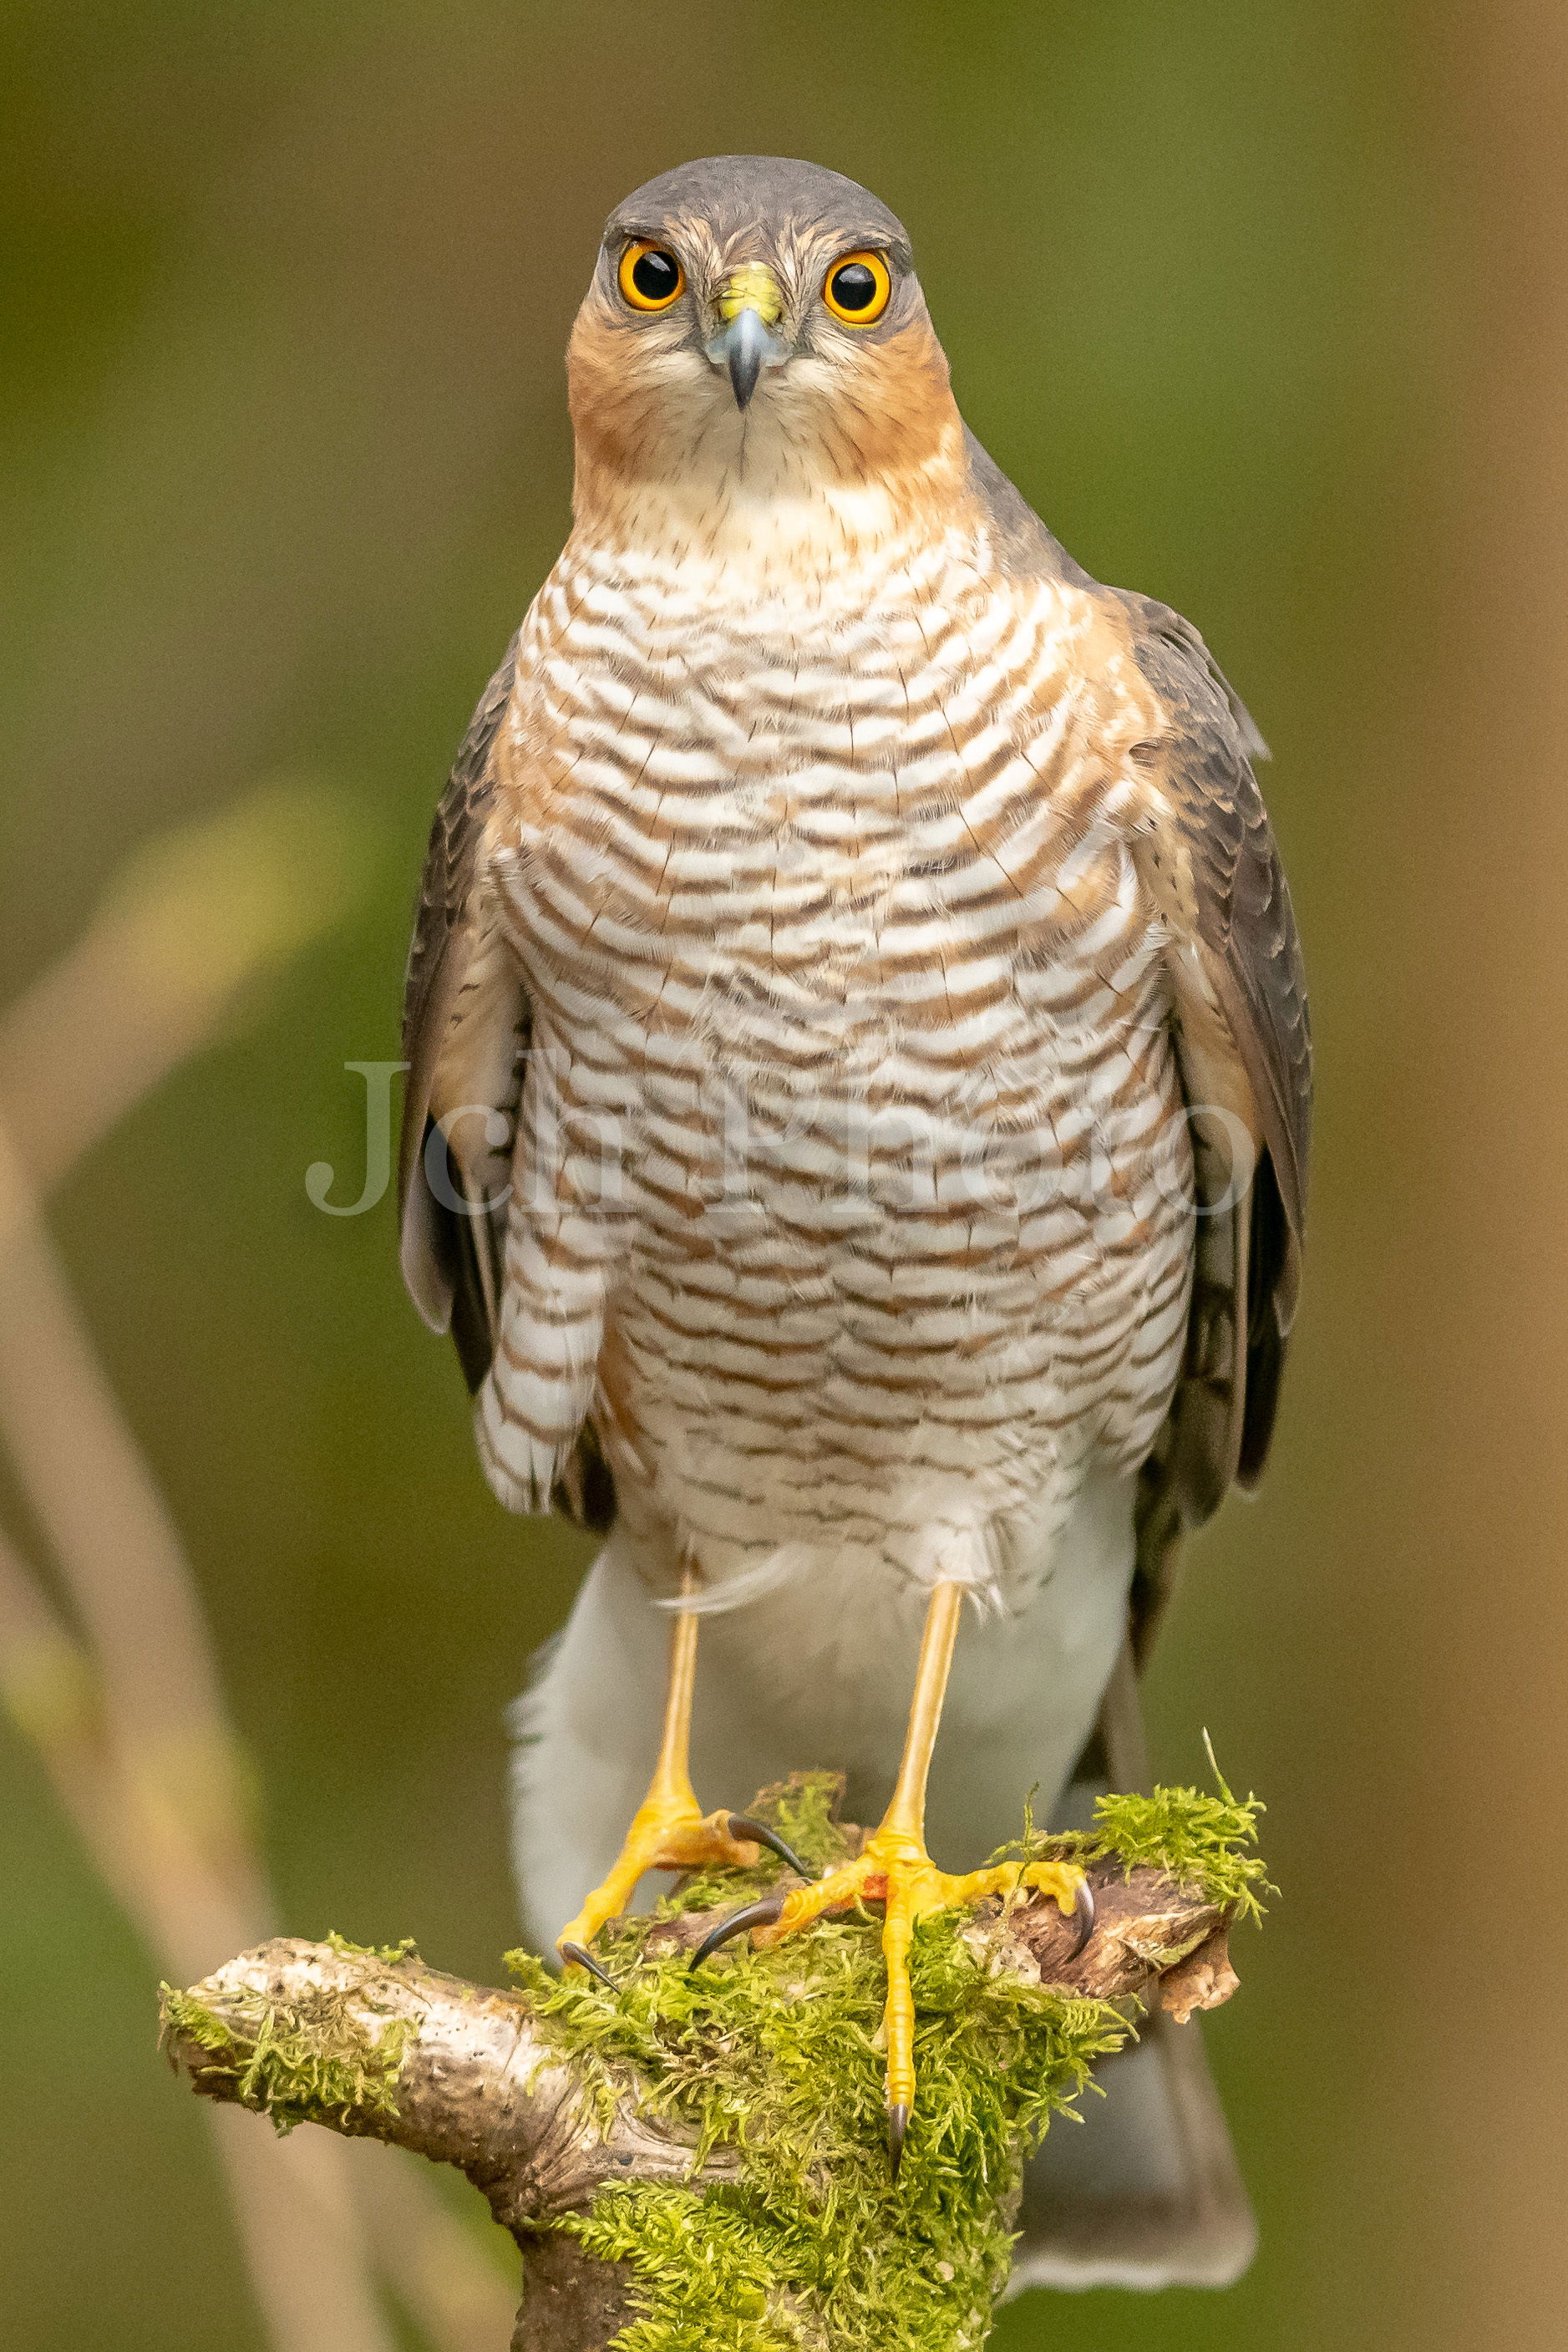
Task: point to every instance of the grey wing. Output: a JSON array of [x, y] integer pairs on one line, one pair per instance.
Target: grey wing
[[1245, 1045], [466, 1023], [1148, 2194]]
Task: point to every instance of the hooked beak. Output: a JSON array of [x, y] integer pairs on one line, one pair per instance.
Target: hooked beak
[[750, 305], [745, 348]]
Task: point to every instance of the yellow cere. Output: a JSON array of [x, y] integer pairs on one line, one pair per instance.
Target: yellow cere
[[753, 288]]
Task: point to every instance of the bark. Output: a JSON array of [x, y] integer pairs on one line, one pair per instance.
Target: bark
[[481, 2084]]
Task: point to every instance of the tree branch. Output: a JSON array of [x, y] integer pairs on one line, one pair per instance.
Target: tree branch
[[379, 2045]]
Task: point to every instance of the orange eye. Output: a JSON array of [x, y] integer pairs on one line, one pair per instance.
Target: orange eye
[[651, 278], [858, 289]]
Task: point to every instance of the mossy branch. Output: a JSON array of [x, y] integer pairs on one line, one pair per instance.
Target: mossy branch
[[694, 2160]]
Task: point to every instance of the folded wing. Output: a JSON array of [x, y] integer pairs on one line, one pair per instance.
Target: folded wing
[[1209, 863], [466, 1027]]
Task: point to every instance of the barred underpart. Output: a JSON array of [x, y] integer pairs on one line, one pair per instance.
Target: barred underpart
[[852, 1188]]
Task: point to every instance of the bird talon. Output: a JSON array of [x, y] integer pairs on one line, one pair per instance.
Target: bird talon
[[578, 1955], [760, 1914], [897, 2132], [741, 1825], [1084, 1906]]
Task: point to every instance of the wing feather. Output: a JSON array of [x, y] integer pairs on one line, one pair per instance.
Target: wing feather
[[464, 1029], [1245, 1045]]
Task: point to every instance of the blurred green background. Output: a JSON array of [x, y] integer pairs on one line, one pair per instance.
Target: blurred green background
[[1263, 307]]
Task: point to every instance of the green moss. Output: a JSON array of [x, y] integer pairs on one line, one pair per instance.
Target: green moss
[[1203, 1842], [707, 2272], [777, 2053], [391, 1954], [310, 2060]]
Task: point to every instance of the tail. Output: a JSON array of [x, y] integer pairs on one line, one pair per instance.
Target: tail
[[1146, 2191]]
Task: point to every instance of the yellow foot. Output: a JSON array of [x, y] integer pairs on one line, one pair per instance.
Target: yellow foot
[[668, 1833], [895, 1869]]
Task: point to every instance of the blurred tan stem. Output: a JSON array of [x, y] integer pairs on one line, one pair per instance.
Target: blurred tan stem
[[143, 1849], [293, 2204], [292, 2195], [155, 1794], [131, 1726], [183, 936], [116, 1546]]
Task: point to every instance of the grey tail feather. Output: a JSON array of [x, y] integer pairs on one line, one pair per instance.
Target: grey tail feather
[[1146, 2191]]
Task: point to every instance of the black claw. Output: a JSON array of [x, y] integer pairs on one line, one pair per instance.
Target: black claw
[[897, 2132], [760, 1914], [741, 1825], [585, 1959], [1084, 1906]]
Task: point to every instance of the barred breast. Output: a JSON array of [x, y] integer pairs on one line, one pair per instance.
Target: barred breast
[[852, 1188]]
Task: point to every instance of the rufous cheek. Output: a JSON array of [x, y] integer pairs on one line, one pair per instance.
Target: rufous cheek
[[896, 415]]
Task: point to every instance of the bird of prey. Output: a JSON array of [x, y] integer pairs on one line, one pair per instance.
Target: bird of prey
[[856, 1125]]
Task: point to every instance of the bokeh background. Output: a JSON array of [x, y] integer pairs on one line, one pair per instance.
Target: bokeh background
[[1265, 308]]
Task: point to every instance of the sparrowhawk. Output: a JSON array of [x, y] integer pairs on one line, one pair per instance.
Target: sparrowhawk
[[859, 1083]]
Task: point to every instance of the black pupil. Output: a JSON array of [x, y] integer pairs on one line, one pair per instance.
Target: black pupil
[[655, 275], [854, 286]]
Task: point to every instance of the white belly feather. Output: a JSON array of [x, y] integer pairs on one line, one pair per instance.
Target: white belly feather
[[818, 1673]]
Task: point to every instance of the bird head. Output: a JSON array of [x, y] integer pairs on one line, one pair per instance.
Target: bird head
[[754, 333]]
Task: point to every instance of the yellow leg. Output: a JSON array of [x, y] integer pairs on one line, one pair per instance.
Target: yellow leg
[[895, 1868], [669, 1830]]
